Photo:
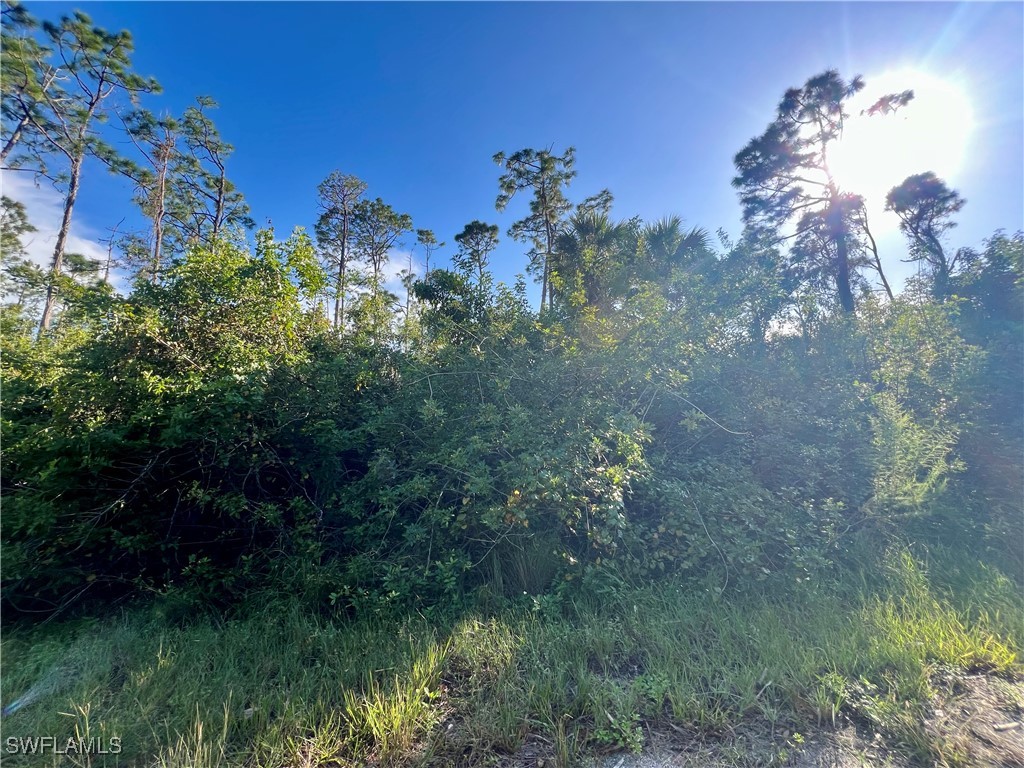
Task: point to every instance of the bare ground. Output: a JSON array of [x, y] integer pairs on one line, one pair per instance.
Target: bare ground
[[974, 721]]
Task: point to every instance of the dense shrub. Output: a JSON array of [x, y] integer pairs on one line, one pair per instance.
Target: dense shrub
[[210, 434]]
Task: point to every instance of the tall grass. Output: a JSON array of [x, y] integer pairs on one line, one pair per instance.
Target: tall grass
[[286, 686]]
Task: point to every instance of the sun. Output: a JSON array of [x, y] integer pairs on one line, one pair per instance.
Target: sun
[[931, 133]]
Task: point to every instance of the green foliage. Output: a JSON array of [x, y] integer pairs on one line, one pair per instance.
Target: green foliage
[[275, 684], [139, 452], [22, 283], [912, 461], [593, 260], [725, 424], [925, 206], [546, 175], [476, 241], [784, 177], [206, 432], [28, 81], [339, 194], [672, 411]]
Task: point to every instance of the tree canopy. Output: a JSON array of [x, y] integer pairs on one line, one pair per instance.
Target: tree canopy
[[252, 408]]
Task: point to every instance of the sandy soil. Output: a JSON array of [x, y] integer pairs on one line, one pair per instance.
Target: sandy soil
[[975, 721]]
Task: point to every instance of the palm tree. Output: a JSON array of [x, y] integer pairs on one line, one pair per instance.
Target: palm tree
[[590, 260], [667, 246]]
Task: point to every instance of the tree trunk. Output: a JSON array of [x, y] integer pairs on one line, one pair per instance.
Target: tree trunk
[[219, 210], [408, 289], [838, 231], [344, 290], [110, 252], [62, 238], [544, 287], [339, 299], [940, 283], [943, 272], [339, 288], [24, 121], [13, 141], [878, 261], [843, 272], [158, 222], [545, 290]]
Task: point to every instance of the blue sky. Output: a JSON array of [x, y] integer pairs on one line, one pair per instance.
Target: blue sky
[[657, 98]]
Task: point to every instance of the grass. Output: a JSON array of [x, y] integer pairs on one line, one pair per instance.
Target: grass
[[282, 686]]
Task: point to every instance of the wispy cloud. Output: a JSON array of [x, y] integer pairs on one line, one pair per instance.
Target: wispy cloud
[[45, 206], [398, 262], [391, 272]]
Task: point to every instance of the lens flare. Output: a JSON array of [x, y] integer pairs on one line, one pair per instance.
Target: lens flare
[[931, 133]]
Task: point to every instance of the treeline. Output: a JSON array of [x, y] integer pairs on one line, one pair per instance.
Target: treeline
[[70, 98], [270, 416]]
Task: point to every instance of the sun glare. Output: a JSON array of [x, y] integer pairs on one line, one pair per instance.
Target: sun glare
[[931, 133]]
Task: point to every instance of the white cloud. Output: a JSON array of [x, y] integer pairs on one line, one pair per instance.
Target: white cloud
[[391, 272], [398, 262], [45, 208]]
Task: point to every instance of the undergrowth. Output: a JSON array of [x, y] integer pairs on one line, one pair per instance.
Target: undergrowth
[[278, 684]]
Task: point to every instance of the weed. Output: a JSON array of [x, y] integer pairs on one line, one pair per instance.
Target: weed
[[278, 685]]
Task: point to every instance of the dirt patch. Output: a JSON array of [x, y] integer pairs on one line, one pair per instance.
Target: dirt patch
[[749, 745], [846, 748], [975, 721], [981, 718]]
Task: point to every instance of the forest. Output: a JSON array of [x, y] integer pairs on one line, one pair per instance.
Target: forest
[[726, 494]]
